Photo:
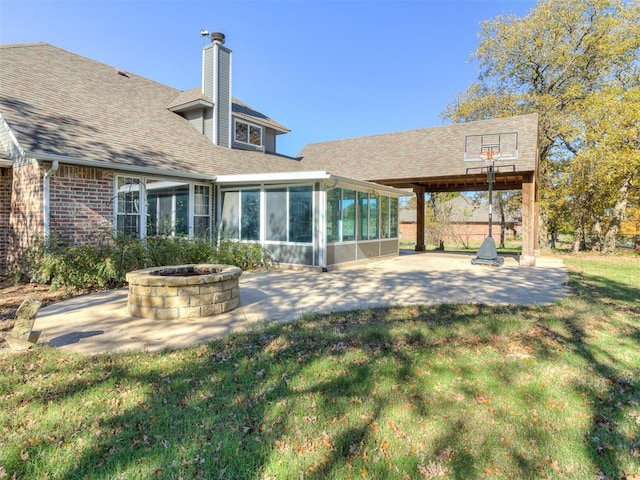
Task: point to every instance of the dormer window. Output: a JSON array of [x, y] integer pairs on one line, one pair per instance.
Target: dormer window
[[248, 133]]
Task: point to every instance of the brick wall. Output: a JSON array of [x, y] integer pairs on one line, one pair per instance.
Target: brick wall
[[81, 202], [80, 206], [25, 218], [5, 202]]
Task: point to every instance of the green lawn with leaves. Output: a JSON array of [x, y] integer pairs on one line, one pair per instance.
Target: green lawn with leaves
[[443, 391]]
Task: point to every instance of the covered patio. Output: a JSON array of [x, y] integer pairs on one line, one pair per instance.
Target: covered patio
[[446, 159]]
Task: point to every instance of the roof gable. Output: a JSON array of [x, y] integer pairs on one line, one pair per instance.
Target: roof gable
[[60, 103], [427, 152]]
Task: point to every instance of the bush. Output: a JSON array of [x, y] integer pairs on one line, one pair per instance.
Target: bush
[[105, 263]]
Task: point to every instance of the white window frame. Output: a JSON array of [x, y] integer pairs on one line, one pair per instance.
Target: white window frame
[[249, 126], [142, 224], [263, 188], [358, 217]]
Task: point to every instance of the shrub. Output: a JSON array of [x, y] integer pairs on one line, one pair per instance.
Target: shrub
[[105, 263]]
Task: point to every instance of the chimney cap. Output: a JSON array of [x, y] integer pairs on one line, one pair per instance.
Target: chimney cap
[[217, 37]]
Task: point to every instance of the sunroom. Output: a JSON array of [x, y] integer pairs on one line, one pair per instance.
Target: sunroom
[[310, 219]]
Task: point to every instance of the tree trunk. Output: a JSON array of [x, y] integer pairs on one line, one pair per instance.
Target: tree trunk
[[578, 240], [596, 236], [543, 232], [609, 243], [503, 226]]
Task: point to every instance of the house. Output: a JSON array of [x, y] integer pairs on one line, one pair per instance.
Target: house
[[88, 147], [466, 221]]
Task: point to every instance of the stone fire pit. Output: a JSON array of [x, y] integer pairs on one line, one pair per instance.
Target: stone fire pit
[[183, 291]]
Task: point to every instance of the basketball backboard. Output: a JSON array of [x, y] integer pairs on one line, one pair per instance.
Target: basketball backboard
[[503, 145]]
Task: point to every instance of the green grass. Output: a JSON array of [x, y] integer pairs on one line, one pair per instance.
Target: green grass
[[442, 391]]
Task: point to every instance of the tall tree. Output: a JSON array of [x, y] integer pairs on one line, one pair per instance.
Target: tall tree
[[576, 63]]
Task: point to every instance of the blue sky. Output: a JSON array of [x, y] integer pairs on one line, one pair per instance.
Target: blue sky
[[325, 69]]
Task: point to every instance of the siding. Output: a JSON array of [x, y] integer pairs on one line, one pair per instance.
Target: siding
[[220, 93], [196, 118], [207, 87], [224, 96], [269, 141], [292, 254]]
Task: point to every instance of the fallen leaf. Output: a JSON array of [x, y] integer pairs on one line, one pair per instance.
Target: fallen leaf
[[327, 443], [445, 454], [24, 456], [385, 445], [433, 470], [553, 463]]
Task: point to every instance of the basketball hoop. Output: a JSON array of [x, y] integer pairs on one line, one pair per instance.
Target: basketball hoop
[[487, 255], [489, 156]]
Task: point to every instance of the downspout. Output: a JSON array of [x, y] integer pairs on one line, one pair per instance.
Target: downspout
[[46, 202]]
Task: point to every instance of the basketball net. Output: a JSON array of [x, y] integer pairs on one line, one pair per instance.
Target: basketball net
[[489, 156]]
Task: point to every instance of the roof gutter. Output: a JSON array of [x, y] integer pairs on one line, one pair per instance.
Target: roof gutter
[[49, 157]]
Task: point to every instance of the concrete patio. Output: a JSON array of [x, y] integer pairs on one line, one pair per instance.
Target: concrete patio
[[100, 322]]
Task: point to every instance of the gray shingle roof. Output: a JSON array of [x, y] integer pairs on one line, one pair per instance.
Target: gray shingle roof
[[57, 102], [242, 110], [238, 107], [428, 152], [189, 96]]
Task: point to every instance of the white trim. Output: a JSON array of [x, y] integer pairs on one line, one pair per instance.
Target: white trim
[[13, 149], [231, 131], [321, 241], [258, 178], [185, 107], [318, 175]]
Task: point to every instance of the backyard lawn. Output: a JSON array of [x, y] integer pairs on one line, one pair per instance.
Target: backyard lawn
[[446, 391]]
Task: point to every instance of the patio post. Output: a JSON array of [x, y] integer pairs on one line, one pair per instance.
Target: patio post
[[420, 245]]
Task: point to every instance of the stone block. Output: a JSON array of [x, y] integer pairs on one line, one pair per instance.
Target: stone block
[[229, 284], [179, 301], [230, 305], [167, 291], [145, 301], [200, 300], [222, 296], [190, 312], [166, 313], [211, 288], [21, 337], [214, 309], [143, 290]]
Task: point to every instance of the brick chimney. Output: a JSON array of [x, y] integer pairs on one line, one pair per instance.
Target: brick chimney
[[216, 84]]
